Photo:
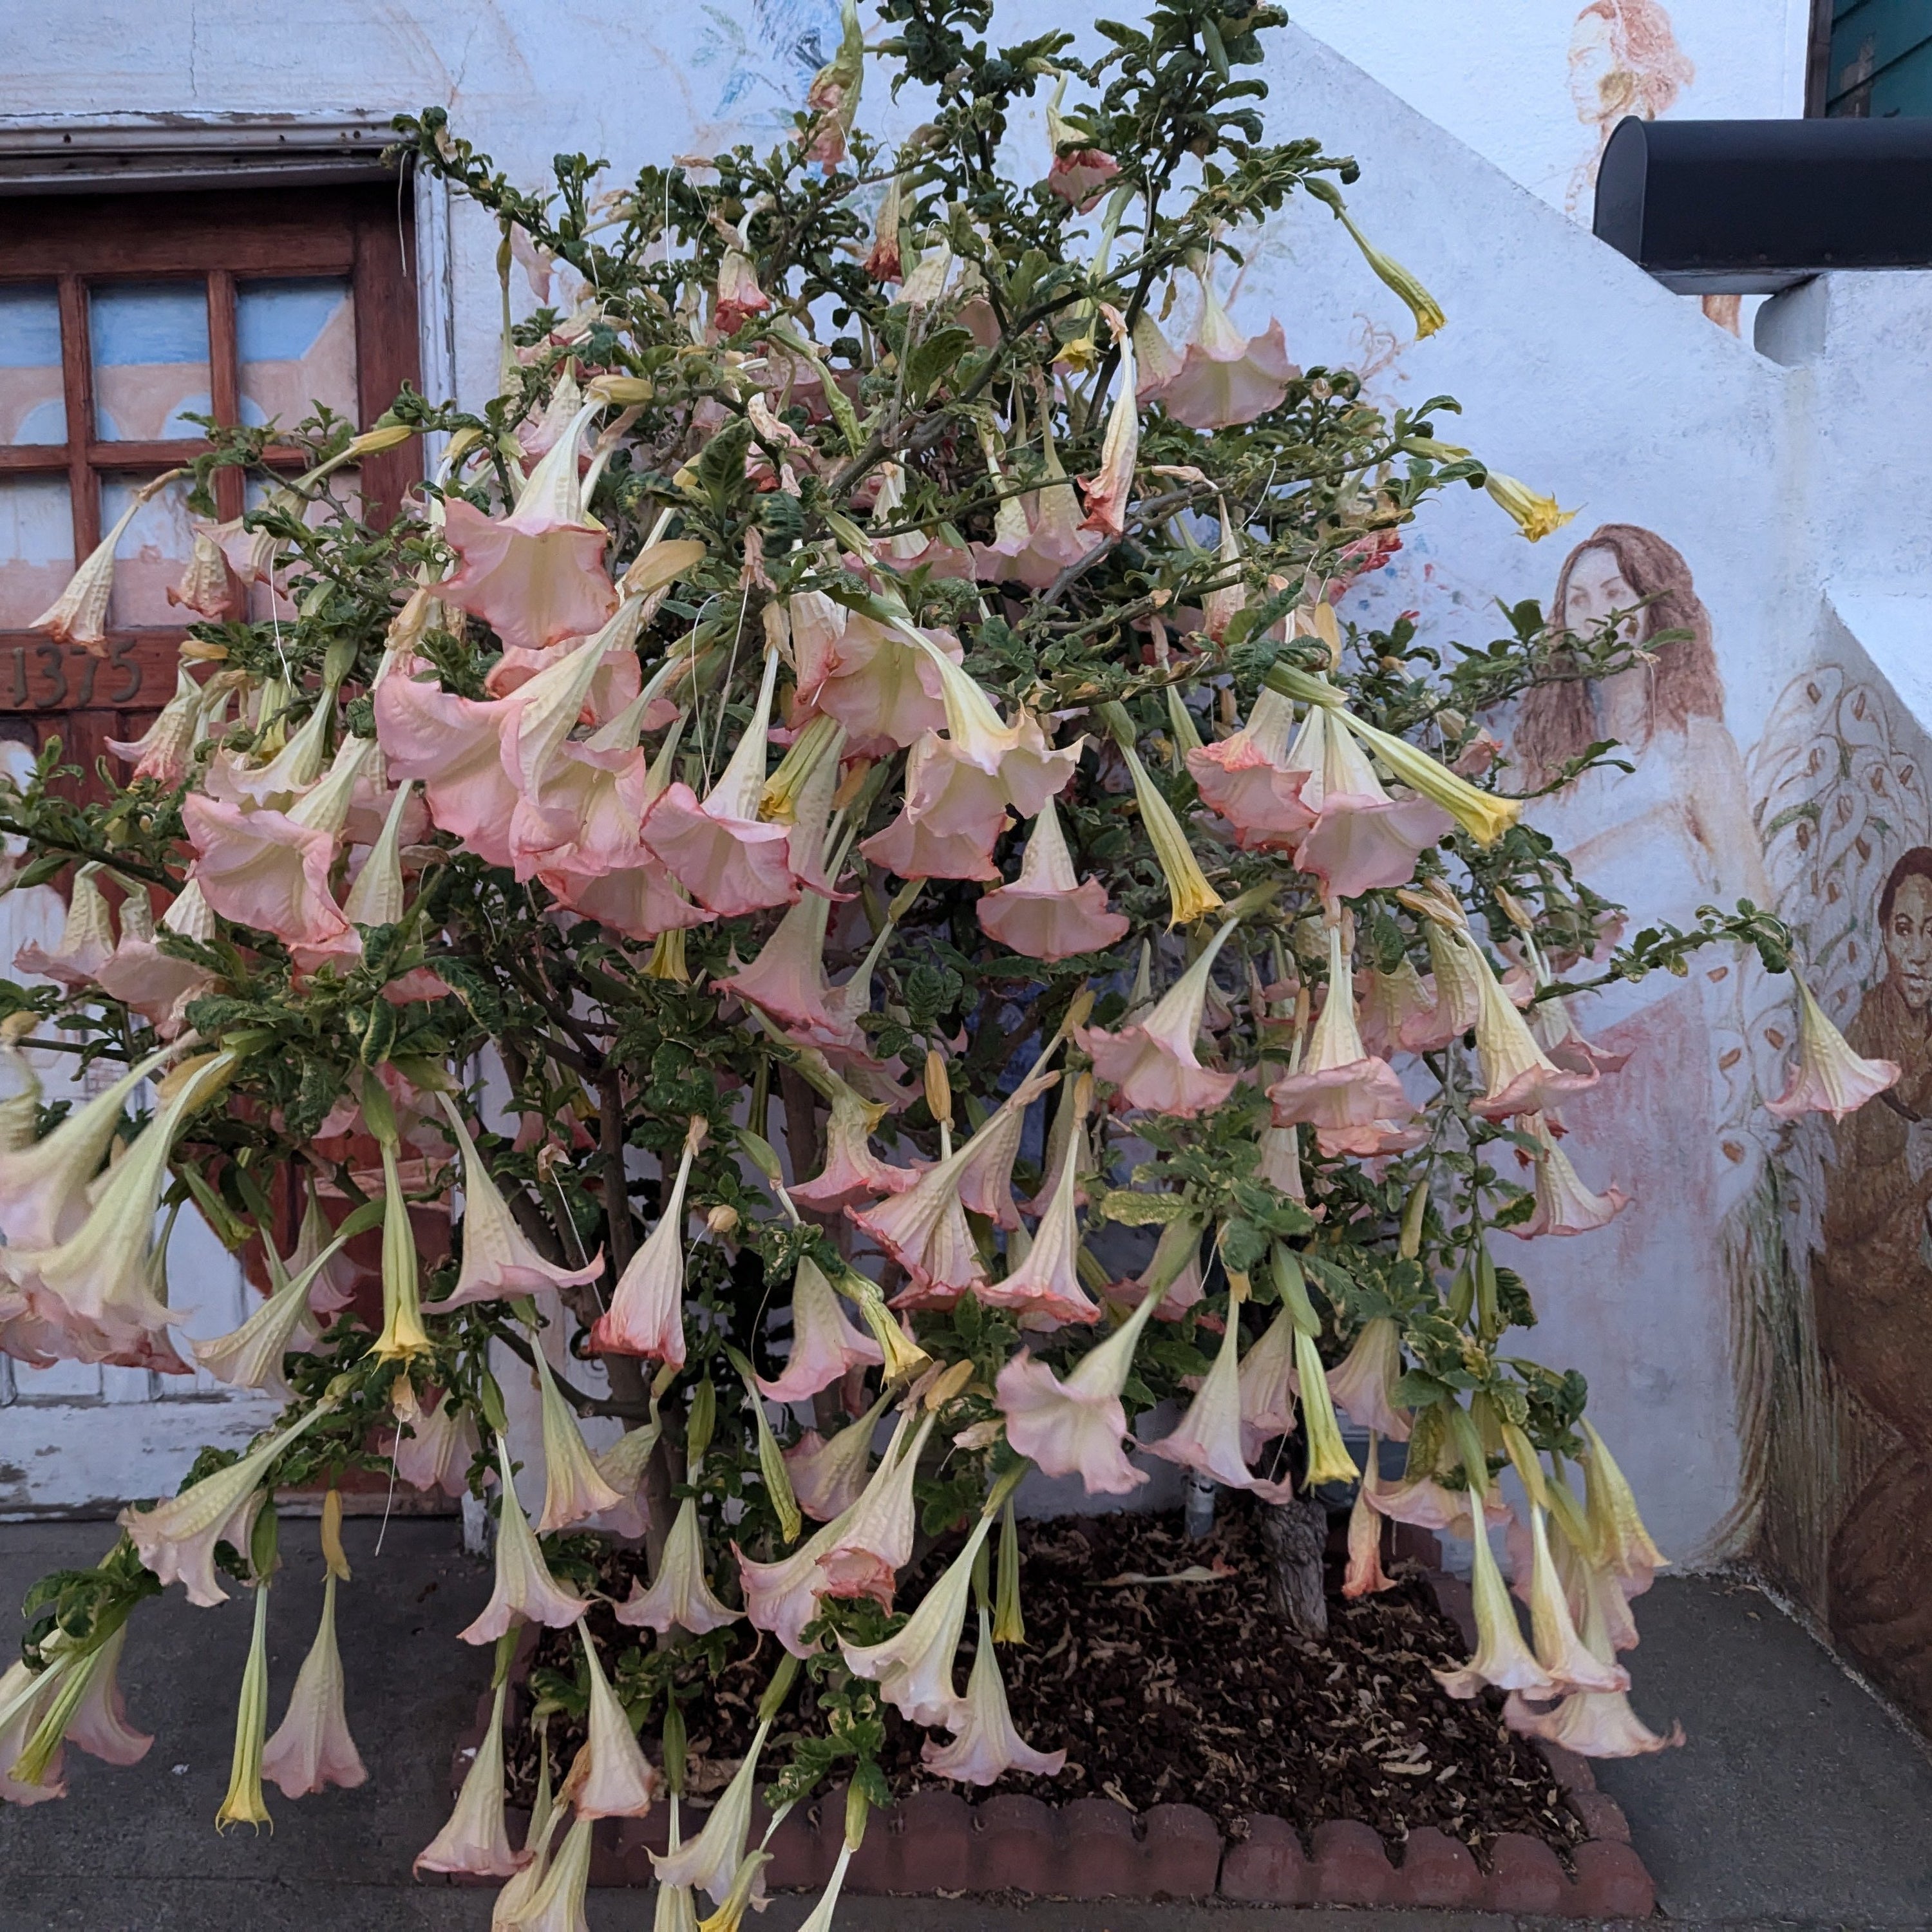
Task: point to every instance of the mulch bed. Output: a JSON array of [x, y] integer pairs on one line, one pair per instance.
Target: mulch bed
[[1190, 1693]]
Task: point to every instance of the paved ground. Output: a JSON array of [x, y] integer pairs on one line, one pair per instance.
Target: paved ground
[[1798, 1801]]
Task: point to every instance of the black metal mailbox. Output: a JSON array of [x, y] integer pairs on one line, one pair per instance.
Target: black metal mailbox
[[1751, 207]]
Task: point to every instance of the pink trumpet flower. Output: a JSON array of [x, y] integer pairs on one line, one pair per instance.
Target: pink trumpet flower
[[986, 1180], [251, 1356], [720, 850], [925, 1229], [498, 1260], [1828, 1077], [86, 943], [44, 1184], [1025, 771], [1267, 1387], [453, 745], [987, 1746], [1151, 1062], [1048, 912], [573, 1488], [1075, 1427], [165, 750], [864, 674], [556, 1904], [1364, 1381], [710, 1861], [1571, 1665], [1247, 779], [874, 1542], [1226, 378], [286, 776], [1362, 840], [825, 1346], [787, 980], [1364, 1575], [645, 1316], [1107, 492], [26, 1699], [1456, 992], [679, 1597], [270, 869], [475, 1840], [99, 1725], [1049, 536], [739, 297], [1208, 1440], [537, 576], [782, 1598], [1080, 176], [525, 1590], [1592, 1724], [1387, 1004], [437, 1449], [1556, 1032], [1044, 1290], [852, 1173], [913, 1667], [209, 587], [1424, 1504], [1623, 1545], [828, 1477], [176, 1538], [1354, 1101], [157, 985], [948, 825], [1079, 173], [78, 615], [312, 1749], [1502, 1658], [622, 1466], [621, 1781], [1521, 1078], [1564, 1205]]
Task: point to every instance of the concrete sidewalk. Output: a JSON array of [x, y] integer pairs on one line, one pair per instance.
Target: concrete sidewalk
[[1798, 1802]]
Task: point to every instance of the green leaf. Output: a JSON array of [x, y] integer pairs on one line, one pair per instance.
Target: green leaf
[[927, 364], [1127, 1208]]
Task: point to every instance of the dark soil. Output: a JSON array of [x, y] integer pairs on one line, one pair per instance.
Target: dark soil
[[1193, 1693]]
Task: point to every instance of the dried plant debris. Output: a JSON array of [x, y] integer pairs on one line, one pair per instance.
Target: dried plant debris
[[1183, 1689]]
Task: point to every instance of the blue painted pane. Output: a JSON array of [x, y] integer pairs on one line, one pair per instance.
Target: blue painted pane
[[32, 407], [1905, 88], [36, 547], [297, 344], [1881, 59], [153, 552], [150, 344]]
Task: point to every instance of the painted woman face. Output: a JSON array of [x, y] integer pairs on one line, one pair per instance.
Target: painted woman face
[[1596, 587], [1908, 941]]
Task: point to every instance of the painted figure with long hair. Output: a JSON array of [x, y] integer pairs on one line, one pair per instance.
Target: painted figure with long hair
[[1624, 60], [1670, 835], [1872, 1293]]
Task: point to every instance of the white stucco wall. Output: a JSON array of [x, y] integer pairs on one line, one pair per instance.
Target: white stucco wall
[[1535, 85], [1577, 372]]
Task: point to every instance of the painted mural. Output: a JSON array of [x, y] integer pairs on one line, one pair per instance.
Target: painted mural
[[1623, 59], [1835, 1350]]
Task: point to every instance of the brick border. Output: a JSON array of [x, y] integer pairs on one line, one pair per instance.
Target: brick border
[[936, 1841]]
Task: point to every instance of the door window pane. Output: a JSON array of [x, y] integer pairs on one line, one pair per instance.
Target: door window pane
[[153, 552], [150, 342], [36, 547], [297, 345], [33, 406]]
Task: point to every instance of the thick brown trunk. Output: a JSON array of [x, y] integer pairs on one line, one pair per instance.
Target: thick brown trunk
[[1294, 1535]]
